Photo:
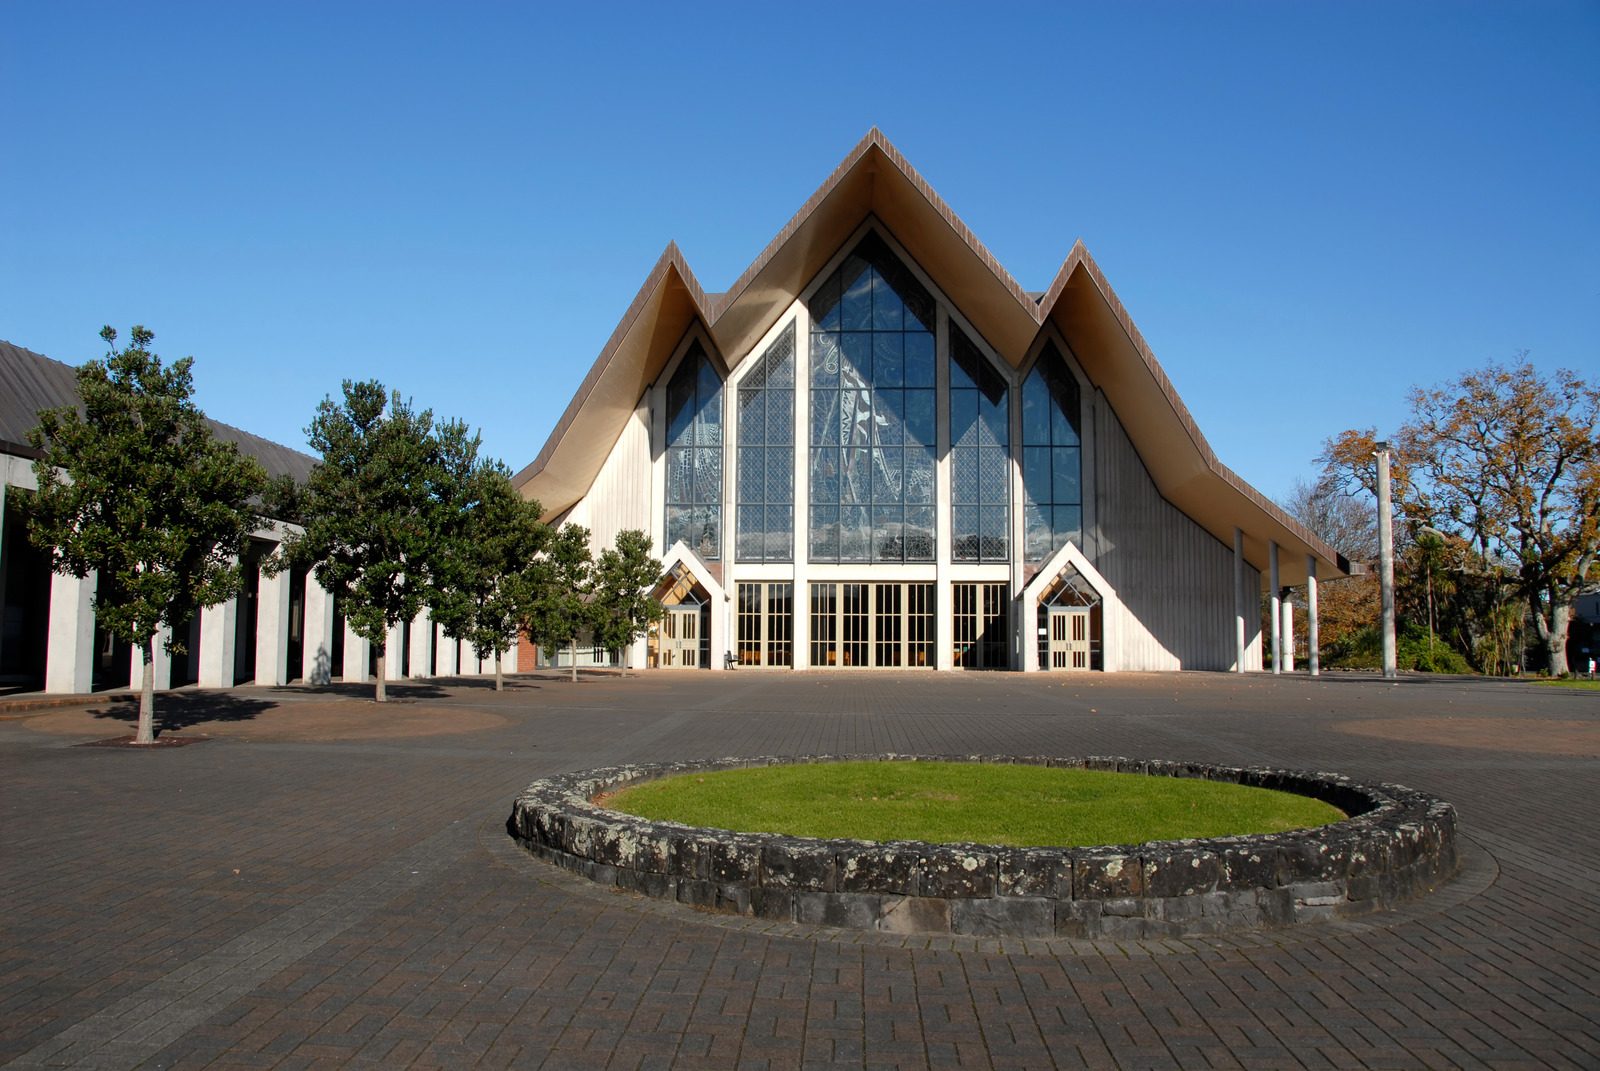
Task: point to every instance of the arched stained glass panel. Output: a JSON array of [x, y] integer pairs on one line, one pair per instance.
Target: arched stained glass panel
[[872, 412], [766, 455], [1052, 487], [694, 455], [872, 401]]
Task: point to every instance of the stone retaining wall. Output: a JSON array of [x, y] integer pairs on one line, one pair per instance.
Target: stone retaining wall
[[1397, 844]]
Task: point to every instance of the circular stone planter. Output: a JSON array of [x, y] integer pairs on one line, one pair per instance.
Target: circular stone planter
[[1395, 845]]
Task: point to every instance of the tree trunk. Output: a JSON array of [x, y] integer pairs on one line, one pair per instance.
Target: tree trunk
[[146, 733], [381, 693], [1555, 636], [572, 646], [499, 681], [623, 661]]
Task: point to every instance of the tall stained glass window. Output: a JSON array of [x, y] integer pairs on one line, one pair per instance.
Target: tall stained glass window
[[872, 412], [1052, 485], [980, 413], [766, 456], [694, 455]]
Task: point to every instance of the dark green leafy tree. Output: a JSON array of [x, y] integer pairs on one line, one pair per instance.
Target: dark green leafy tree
[[137, 490], [371, 510], [557, 606], [623, 608], [494, 538]]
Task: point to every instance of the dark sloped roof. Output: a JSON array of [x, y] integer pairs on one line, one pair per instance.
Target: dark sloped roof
[[31, 381]]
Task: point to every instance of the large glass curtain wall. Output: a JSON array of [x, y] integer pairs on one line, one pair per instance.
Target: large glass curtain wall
[[1052, 486], [766, 455], [694, 455], [872, 412], [980, 465]]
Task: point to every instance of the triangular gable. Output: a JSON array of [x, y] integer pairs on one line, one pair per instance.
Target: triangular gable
[[875, 180]]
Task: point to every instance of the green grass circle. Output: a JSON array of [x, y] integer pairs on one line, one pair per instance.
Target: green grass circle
[[985, 803]]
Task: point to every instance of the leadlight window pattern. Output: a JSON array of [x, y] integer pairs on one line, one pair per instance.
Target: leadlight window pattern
[[694, 455], [1052, 457], [872, 412], [980, 456], [765, 515]]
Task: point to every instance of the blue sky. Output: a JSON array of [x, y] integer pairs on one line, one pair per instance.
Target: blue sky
[[1306, 208]]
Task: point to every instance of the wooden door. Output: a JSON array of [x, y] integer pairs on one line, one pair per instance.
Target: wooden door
[[1069, 639]]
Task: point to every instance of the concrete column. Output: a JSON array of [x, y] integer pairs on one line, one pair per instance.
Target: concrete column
[[162, 660], [316, 652], [219, 632], [272, 629], [357, 652], [422, 645], [1238, 599], [943, 550], [1286, 633], [69, 658], [1313, 658], [447, 652], [1275, 615], [394, 653]]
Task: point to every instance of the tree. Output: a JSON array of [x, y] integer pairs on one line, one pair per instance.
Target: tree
[[624, 609], [486, 578], [558, 600], [372, 510], [1508, 461], [137, 490]]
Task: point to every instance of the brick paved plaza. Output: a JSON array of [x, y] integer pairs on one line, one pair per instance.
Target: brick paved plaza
[[326, 883]]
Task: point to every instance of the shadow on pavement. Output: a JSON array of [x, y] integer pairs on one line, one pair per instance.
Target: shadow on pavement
[[175, 710]]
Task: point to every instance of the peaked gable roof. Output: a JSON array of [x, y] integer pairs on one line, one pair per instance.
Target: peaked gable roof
[[875, 181]]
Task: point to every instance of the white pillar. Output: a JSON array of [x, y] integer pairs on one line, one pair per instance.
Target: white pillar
[[1238, 599], [1313, 658], [719, 629], [1286, 633], [219, 633], [316, 650], [69, 658], [357, 652], [394, 652], [1274, 616], [422, 645], [162, 662], [272, 628], [447, 649]]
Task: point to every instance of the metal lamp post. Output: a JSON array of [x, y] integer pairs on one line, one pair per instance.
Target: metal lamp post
[[1386, 560]]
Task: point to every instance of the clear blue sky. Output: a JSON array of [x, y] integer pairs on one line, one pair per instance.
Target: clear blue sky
[[1307, 208]]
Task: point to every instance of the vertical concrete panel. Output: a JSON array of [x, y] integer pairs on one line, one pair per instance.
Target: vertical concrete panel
[[394, 652], [317, 654], [272, 628], [69, 658], [422, 645], [357, 653], [446, 652], [218, 633]]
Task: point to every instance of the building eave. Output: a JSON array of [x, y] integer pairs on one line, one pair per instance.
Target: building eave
[[874, 181]]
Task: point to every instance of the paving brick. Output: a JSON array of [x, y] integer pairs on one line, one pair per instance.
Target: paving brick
[[288, 896]]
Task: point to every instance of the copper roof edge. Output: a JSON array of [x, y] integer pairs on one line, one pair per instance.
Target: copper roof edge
[[670, 260], [1080, 257]]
